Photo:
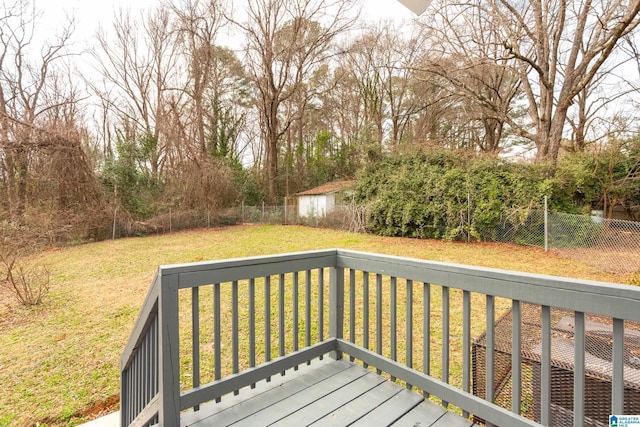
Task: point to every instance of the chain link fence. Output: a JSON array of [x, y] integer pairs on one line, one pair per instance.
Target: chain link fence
[[610, 245]]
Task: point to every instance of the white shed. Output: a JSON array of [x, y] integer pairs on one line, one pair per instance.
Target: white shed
[[319, 201]]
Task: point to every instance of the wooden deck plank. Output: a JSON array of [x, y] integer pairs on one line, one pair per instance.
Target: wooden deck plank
[[425, 414], [357, 408], [390, 411], [332, 400], [299, 400], [452, 420], [234, 408]]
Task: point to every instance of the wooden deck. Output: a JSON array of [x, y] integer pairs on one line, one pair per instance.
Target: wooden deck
[[276, 312], [325, 393]]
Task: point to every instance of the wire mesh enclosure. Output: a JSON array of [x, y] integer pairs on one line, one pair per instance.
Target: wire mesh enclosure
[[598, 366]]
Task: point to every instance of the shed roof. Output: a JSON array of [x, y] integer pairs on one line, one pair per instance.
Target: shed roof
[[328, 188]]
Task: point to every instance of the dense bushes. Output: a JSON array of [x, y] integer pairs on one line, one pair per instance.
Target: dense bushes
[[439, 193]]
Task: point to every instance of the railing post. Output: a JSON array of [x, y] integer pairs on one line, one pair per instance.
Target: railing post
[[169, 352], [336, 306]]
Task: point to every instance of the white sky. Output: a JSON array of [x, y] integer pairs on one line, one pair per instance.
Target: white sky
[[93, 13]]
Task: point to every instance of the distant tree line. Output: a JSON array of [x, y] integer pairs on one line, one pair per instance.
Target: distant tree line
[[194, 105]]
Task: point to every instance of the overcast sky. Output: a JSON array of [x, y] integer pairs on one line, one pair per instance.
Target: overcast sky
[[93, 13]]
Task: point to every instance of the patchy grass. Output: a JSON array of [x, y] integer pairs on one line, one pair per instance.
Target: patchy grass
[[59, 363]]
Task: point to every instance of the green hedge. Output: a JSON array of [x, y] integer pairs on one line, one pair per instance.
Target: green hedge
[[438, 193]]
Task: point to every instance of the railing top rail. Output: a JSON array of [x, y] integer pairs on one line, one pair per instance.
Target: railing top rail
[[196, 274], [610, 299]]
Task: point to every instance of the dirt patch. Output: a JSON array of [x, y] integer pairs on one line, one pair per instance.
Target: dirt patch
[[96, 410]]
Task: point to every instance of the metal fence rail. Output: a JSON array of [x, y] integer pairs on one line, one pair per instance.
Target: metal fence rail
[[225, 325]]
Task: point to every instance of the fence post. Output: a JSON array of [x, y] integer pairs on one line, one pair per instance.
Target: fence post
[[115, 210], [468, 217], [115, 217], [285, 210], [546, 225]]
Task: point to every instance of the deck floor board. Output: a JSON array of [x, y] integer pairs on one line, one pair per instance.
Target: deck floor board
[[357, 408], [328, 393], [390, 411]]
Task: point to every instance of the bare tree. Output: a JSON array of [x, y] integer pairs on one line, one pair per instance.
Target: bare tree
[[286, 41], [29, 91], [558, 48], [198, 23], [139, 67], [467, 56], [365, 63]]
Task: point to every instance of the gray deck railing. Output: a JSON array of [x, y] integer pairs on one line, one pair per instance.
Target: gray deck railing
[[209, 329]]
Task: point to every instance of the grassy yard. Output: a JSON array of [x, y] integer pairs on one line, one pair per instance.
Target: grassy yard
[[59, 363]]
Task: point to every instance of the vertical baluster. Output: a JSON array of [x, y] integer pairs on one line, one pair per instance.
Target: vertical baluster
[[138, 377], [217, 357], [151, 364], [195, 341], [141, 402], [490, 350], [516, 359], [379, 316], [393, 305], [320, 305], [365, 311], [145, 368], [466, 341], [307, 304], [352, 306], [234, 327], [267, 319], [132, 388], [426, 331], [545, 379], [617, 386], [252, 324], [296, 330], [281, 332], [445, 337], [307, 315], [131, 393], [156, 373], [281, 320], [132, 381], [409, 327], [578, 374], [152, 372], [143, 378]]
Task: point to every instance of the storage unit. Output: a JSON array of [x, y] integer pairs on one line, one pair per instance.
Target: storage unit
[[598, 366]]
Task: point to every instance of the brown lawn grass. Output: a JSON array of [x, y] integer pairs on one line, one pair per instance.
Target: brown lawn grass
[[59, 363]]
